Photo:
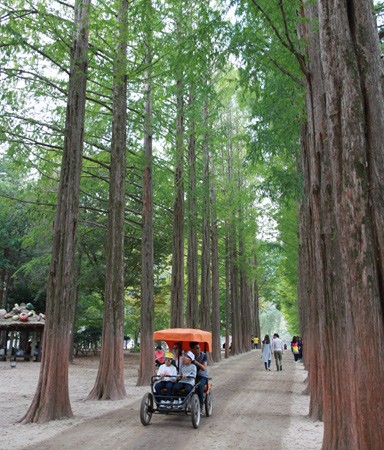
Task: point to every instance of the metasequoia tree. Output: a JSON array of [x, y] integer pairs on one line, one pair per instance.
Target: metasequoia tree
[[192, 318], [215, 285], [177, 288], [147, 288], [255, 299], [109, 383], [51, 400], [232, 239], [245, 297], [205, 292], [344, 161]]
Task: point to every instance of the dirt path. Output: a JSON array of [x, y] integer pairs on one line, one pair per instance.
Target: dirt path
[[253, 409]]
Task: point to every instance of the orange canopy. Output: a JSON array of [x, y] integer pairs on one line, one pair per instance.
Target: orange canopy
[[185, 336]]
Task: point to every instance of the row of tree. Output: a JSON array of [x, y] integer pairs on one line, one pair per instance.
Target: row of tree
[[84, 89], [183, 212]]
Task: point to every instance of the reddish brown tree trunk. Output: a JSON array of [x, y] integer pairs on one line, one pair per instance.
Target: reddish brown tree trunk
[[177, 291], [255, 302], [51, 399], [345, 211], [216, 343], [192, 314], [109, 383], [147, 253], [205, 296]]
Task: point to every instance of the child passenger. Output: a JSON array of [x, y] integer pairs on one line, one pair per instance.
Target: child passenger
[[187, 375]]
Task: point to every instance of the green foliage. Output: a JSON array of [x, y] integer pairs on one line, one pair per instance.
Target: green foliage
[[89, 337], [254, 113]]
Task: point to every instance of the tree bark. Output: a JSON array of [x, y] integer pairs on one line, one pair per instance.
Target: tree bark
[[177, 292], [205, 296], [216, 342], [344, 187], [109, 383], [255, 301], [51, 399], [147, 253], [192, 315]]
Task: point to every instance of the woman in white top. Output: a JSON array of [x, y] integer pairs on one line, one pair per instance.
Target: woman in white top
[[266, 352], [167, 373]]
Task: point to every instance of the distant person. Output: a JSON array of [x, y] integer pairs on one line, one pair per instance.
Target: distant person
[[266, 352], [295, 348], [167, 373], [186, 378], [177, 357], [256, 342], [278, 350], [201, 363], [36, 351], [159, 356], [300, 345]]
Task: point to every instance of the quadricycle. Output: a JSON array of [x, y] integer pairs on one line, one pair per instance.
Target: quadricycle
[[184, 403]]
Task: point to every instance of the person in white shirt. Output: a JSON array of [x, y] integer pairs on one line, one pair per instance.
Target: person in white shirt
[[167, 374], [278, 350]]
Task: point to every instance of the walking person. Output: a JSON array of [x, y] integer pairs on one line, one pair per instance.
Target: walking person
[[278, 350], [266, 352], [295, 348]]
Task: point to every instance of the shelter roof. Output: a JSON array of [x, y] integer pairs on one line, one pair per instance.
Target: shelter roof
[[33, 323]]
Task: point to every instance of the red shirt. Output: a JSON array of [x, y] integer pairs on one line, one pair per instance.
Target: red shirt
[[159, 355]]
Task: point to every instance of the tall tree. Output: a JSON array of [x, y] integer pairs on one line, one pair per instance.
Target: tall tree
[[192, 317], [177, 292], [205, 300], [51, 399], [215, 293], [109, 383], [344, 161], [147, 278]]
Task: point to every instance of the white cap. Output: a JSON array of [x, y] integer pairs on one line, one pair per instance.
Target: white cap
[[190, 355]]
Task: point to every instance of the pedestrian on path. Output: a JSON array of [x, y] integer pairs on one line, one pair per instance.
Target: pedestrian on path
[[295, 348], [266, 352], [278, 350]]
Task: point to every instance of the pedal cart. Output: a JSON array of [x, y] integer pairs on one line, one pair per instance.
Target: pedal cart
[[188, 404]]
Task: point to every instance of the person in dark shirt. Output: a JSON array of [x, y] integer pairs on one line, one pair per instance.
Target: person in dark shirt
[[201, 363]]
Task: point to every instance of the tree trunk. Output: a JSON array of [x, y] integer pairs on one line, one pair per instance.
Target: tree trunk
[[147, 253], [345, 138], [256, 306], [245, 299], [109, 383], [51, 399], [228, 308], [193, 283], [216, 343], [205, 300], [177, 292]]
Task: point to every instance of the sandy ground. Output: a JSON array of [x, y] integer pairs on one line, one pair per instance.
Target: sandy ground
[[252, 408]]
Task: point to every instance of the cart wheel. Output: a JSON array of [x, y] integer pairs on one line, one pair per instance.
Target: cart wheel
[[146, 408], [208, 404], [195, 410]]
